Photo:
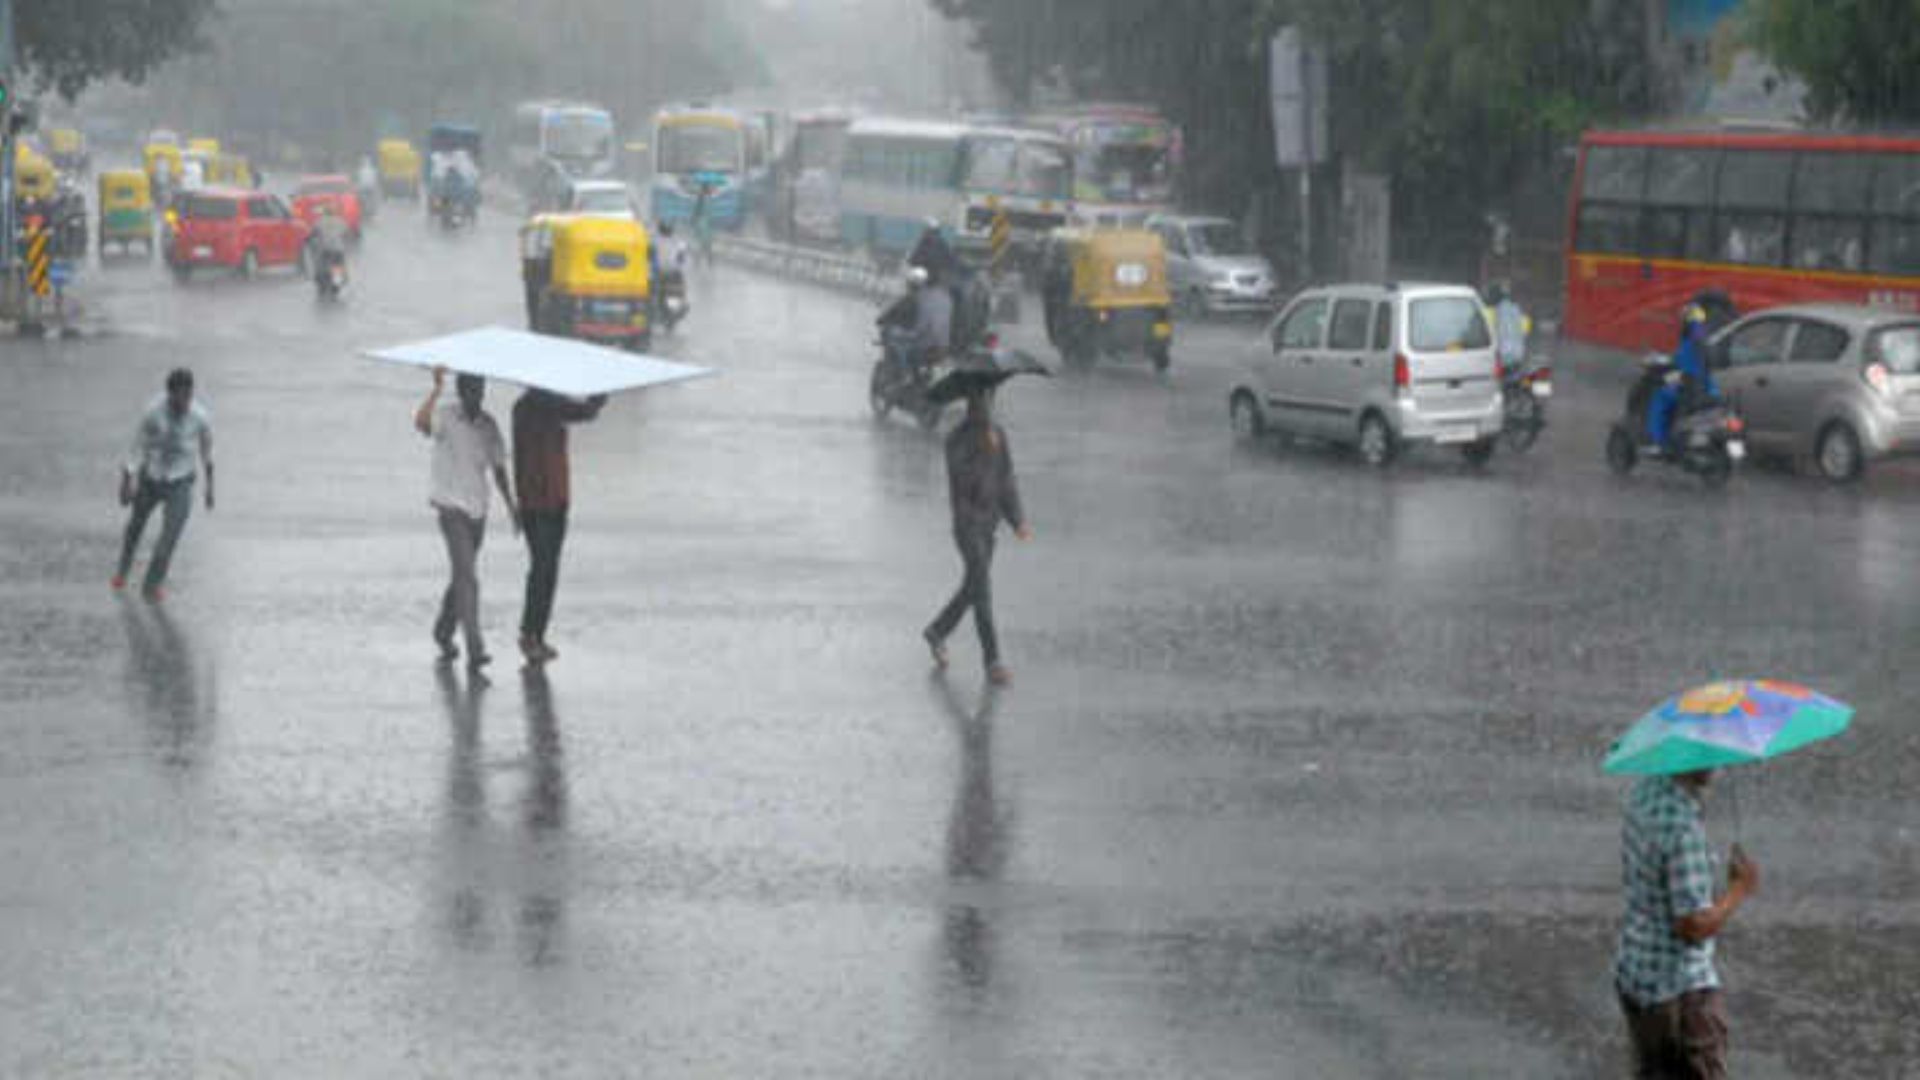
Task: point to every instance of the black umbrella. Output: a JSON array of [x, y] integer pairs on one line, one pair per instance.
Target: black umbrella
[[981, 371]]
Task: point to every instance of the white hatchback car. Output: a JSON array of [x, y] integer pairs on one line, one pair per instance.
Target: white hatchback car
[[1379, 367]]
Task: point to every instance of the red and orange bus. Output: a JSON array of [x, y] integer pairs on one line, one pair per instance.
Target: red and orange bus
[[1770, 219]]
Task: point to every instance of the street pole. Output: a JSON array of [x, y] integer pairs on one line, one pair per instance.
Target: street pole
[[8, 274]]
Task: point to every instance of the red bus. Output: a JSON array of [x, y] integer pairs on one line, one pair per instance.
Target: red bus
[[1769, 219]]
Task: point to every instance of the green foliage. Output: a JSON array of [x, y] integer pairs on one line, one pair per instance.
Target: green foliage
[[67, 44], [1860, 59]]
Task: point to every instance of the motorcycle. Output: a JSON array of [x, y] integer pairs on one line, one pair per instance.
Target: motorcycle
[[453, 213], [899, 382], [1524, 394], [330, 276], [672, 298], [1707, 439]]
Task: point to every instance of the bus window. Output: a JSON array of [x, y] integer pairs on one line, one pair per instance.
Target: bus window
[[1750, 226], [1894, 241], [1608, 230], [1679, 203], [990, 164], [1829, 190], [1614, 173]]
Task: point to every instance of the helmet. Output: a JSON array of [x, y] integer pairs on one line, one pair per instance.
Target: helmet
[[917, 276], [1693, 315], [932, 224]]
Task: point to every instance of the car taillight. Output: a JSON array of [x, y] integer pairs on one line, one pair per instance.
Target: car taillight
[[1402, 373], [1879, 378], [993, 341], [1499, 371], [1735, 425]]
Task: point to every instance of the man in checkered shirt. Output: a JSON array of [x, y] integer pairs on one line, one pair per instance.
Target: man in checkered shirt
[[1663, 968]]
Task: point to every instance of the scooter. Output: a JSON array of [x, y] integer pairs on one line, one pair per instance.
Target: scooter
[[330, 276], [898, 383], [1524, 395], [673, 298], [1707, 440]]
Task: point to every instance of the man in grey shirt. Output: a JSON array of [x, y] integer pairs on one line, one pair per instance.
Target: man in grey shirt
[[466, 446], [173, 442]]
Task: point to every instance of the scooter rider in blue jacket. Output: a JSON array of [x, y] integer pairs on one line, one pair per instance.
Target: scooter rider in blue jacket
[[1691, 378]]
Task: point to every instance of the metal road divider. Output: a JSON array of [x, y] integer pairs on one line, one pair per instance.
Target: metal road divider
[[831, 269]]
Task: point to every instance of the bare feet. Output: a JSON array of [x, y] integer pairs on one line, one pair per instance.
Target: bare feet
[[998, 675], [938, 648]]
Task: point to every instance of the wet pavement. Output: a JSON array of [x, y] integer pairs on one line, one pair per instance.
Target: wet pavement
[[1298, 776]]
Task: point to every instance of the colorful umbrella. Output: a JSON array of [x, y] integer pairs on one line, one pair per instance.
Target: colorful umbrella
[[1726, 723]]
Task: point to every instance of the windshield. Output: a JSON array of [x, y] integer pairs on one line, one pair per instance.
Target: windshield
[[1008, 167], [584, 136], [1217, 238], [603, 201], [1444, 325], [699, 149], [1898, 347], [1128, 172]]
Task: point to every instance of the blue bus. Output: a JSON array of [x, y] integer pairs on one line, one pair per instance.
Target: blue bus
[[554, 142], [696, 148]]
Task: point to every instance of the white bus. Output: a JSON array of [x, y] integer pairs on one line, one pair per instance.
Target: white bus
[[553, 142], [899, 174]]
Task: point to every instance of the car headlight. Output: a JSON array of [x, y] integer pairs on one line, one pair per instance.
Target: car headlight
[[1131, 275]]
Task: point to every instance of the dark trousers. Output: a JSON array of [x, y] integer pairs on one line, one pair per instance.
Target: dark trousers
[[976, 592], [1683, 1038], [546, 531], [460, 605], [175, 497]]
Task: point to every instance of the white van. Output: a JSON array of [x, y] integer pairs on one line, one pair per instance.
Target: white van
[[1379, 367]]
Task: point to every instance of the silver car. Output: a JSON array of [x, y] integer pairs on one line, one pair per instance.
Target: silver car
[[1837, 383], [1211, 269], [1379, 367]]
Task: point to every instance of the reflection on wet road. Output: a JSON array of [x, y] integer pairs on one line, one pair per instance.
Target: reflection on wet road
[[1300, 776]]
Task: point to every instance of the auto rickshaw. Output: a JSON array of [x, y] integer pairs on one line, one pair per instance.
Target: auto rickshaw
[[399, 166], [68, 148], [229, 170], [162, 158], [126, 210], [589, 278], [33, 177], [209, 147], [1105, 292]]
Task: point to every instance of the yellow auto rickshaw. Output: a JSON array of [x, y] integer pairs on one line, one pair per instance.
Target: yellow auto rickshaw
[[126, 210], [399, 166], [1105, 293], [68, 148], [162, 162], [33, 175], [588, 278], [229, 170]]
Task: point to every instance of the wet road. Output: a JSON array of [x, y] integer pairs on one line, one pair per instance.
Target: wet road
[[1299, 775]]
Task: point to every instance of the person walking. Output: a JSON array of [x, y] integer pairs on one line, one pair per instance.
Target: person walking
[[466, 447], [540, 478], [1664, 974], [982, 492], [173, 442]]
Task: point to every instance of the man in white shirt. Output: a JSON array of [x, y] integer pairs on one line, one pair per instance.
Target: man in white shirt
[[466, 446], [173, 442]]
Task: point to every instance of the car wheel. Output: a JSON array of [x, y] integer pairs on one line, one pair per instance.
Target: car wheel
[[1477, 454], [1248, 424], [1838, 454], [1376, 441], [249, 264], [1621, 453]]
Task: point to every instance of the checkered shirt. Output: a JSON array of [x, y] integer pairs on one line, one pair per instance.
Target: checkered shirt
[[1667, 871]]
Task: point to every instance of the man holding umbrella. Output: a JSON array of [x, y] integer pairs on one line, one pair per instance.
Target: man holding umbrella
[[1663, 968], [982, 492]]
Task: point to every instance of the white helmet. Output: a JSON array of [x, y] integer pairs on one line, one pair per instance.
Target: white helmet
[[917, 276]]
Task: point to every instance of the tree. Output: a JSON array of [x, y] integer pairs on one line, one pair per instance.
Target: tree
[[66, 44], [1860, 59]]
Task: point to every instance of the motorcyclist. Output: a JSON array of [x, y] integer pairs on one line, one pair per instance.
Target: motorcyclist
[[922, 322], [1511, 329], [331, 234], [1690, 381], [933, 254]]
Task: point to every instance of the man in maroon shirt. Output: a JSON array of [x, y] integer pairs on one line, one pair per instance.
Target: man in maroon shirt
[[540, 420]]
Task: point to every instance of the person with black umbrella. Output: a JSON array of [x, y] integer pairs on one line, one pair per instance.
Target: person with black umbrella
[[983, 492]]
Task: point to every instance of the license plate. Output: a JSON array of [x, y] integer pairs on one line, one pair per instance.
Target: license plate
[[1543, 389], [615, 311], [203, 253], [1451, 436], [1737, 449]]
